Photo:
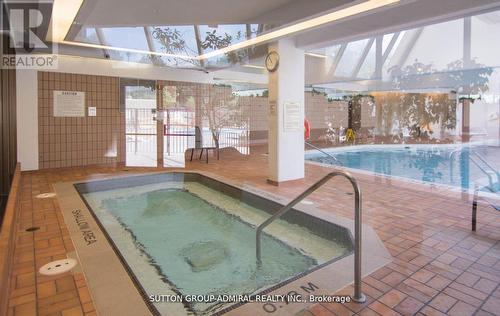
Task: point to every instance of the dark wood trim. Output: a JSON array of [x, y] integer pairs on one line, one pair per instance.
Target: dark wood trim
[[8, 139], [7, 240]]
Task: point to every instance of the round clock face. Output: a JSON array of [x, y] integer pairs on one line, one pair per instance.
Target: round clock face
[[272, 61]]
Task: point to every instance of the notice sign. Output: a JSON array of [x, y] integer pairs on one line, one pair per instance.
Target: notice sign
[[292, 117], [272, 107], [92, 111], [69, 103]]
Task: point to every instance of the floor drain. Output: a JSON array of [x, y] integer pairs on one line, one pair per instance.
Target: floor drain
[[45, 195], [58, 266], [32, 229]]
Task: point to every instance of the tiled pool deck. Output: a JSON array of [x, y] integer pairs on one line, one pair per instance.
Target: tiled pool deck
[[439, 267]]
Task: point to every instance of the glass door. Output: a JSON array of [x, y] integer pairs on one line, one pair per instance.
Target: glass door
[[180, 132], [138, 98]]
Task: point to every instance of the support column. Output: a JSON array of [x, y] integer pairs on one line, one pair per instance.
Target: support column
[[466, 91], [201, 96], [286, 114], [159, 125], [379, 54]]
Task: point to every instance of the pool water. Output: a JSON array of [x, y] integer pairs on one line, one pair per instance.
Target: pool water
[[428, 163], [202, 242]]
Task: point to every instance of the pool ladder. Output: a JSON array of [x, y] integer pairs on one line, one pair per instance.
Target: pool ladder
[[477, 159], [325, 153], [358, 297]]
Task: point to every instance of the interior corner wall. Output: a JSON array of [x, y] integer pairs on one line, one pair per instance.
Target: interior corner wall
[[86, 140], [27, 119]]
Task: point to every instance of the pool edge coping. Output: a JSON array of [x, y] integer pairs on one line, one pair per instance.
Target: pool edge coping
[[374, 256]]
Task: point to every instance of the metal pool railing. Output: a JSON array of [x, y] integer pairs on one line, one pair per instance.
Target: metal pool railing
[[358, 295], [325, 153]]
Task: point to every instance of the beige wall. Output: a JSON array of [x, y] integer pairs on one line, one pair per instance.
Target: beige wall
[[78, 141], [318, 110], [65, 142], [27, 92]]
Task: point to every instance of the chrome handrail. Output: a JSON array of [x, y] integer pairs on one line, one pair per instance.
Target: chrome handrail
[[358, 295], [487, 164], [483, 160], [324, 152]]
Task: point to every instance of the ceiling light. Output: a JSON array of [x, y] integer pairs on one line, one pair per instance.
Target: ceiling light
[[65, 11], [304, 25], [63, 14], [254, 66], [238, 81], [128, 50], [316, 55]]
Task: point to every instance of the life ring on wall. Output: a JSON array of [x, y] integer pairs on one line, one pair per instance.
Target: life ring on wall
[[307, 129]]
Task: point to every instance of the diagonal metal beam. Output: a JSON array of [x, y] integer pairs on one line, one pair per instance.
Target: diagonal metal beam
[[102, 41], [151, 46], [414, 36], [198, 44], [149, 39], [378, 58], [362, 58], [390, 47], [249, 31], [336, 61]]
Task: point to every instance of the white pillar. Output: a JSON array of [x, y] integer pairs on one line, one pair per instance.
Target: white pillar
[[286, 114], [27, 118]]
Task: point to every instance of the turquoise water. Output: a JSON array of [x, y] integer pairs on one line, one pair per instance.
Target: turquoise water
[[424, 163], [196, 246]]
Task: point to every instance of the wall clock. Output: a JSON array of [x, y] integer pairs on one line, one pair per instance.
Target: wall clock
[[272, 61]]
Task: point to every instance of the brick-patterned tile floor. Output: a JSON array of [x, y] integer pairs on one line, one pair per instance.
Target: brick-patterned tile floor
[[440, 267]]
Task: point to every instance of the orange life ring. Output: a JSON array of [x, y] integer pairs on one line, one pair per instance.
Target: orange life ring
[[307, 129]]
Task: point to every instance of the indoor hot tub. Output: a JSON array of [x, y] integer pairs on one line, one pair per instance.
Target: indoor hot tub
[[185, 235]]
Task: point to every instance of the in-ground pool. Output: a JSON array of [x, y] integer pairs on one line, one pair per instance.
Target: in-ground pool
[[184, 233], [428, 163]]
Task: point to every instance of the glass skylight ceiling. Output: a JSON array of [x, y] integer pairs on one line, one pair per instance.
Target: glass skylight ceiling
[[181, 40], [434, 46], [350, 58], [428, 57]]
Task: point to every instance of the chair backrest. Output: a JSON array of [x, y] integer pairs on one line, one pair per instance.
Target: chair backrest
[[198, 143], [216, 143], [198, 138]]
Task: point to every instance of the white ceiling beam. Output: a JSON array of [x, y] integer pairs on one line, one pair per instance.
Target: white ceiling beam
[[407, 15], [149, 38], [390, 47], [362, 59], [102, 40], [338, 57], [408, 47]]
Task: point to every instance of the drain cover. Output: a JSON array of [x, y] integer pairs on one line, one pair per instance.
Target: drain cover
[[32, 229], [58, 266], [45, 195], [204, 255]]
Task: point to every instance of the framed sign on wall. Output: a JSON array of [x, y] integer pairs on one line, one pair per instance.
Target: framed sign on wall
[[69, 103], [291, 117]]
